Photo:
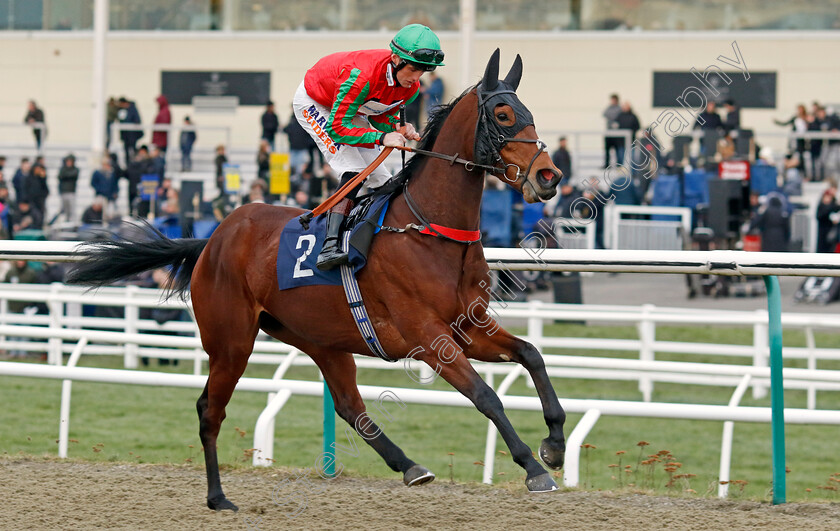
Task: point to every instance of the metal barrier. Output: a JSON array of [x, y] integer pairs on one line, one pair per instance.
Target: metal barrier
[[22, 133], [803, 222], [573, 233], [646, 234], [172, 154]]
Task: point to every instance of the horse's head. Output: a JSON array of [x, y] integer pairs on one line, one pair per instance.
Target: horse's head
[[505, 135]]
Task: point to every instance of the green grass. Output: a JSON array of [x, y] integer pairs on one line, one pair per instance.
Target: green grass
[[159, 425]]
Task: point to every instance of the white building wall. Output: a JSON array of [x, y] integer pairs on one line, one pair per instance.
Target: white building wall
[[567, 79]]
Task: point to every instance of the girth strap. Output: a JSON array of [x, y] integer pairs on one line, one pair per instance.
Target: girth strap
[[357, 306]]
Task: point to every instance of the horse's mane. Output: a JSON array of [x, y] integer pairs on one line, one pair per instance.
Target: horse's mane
[[430, 134]]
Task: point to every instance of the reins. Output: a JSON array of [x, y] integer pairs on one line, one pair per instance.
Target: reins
[[339, 194], [456, 235], [470, 165]]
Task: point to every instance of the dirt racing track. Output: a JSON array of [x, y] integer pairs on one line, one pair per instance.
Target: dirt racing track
[[51, 494]]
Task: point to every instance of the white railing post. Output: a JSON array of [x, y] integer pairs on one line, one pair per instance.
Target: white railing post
[[4, 312], [132, 315], [72, 309], [810, 344], [610, 226], [427, 375], [571, 472], [199, 357], [761, 350], [647, 337], [56, 309], [66, 388], [536, 332], [264, 429], [535, 324], [726, 442], [197, 361], [112, 147]]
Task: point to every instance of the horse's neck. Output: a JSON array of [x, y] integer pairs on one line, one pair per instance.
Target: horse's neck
[[449, 195]]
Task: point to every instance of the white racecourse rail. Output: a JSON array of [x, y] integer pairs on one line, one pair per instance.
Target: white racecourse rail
[[732, 263], [141, 337], [729, 263], [442, 398]]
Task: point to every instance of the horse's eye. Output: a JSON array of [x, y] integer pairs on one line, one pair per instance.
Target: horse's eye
[[502, 117]]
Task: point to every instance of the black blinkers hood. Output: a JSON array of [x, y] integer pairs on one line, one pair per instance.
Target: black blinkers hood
[[490, 135]]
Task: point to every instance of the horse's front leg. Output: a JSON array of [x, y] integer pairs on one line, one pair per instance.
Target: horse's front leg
[[494, 344], [454, 367]]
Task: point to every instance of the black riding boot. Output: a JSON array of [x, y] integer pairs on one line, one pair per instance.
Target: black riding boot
[[331, 255]]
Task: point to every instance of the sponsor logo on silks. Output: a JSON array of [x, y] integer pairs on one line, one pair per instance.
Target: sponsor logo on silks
[[318, 124]]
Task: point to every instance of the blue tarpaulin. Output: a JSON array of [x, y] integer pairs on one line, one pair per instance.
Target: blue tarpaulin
[[666, 191], [763, 178], [697, 188], [496, 216], [531, 214]]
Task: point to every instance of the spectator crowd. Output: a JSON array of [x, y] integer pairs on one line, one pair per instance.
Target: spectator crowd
[[648, 161], [147, 168]]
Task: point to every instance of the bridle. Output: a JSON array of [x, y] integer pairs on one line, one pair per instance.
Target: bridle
[[490, 139], [498, 143]]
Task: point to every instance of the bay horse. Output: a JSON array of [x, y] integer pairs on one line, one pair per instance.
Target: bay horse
[[417, 288]]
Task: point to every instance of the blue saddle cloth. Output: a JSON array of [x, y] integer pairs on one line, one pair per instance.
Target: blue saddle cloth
[[299, 247]]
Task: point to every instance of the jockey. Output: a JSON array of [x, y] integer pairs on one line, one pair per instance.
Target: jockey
[[349, 103]]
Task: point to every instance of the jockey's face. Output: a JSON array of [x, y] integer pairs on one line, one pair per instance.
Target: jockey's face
[[408, 74]]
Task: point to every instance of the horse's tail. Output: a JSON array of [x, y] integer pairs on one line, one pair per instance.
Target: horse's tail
[[107, 261]]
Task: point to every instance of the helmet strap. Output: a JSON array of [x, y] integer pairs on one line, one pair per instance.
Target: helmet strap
[[401, 65]]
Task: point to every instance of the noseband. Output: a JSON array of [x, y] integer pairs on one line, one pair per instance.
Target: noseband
[[519, 173], [491, 137]]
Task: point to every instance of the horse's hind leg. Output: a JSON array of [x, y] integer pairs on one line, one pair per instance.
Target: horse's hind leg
[[228, 338], [339, 371], [499, 346]]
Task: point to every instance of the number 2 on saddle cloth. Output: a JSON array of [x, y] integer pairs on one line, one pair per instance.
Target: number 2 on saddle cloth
[[299, 246]]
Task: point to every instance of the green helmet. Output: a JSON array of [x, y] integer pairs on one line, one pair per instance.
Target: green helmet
[[418, 45]]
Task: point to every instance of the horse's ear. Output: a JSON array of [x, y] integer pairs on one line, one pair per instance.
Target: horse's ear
[[515, 74], [491, 75]]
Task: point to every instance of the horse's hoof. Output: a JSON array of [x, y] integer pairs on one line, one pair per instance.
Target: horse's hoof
[[551, 455], [221, 504], [541, 483], [417, 475]]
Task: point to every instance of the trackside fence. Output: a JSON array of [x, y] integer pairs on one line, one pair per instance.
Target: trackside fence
[[715, 262]]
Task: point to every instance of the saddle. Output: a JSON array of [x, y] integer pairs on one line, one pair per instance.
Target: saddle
[[299, 247]]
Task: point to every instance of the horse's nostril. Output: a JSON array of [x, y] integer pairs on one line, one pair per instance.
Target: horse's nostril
[[546, 176]]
